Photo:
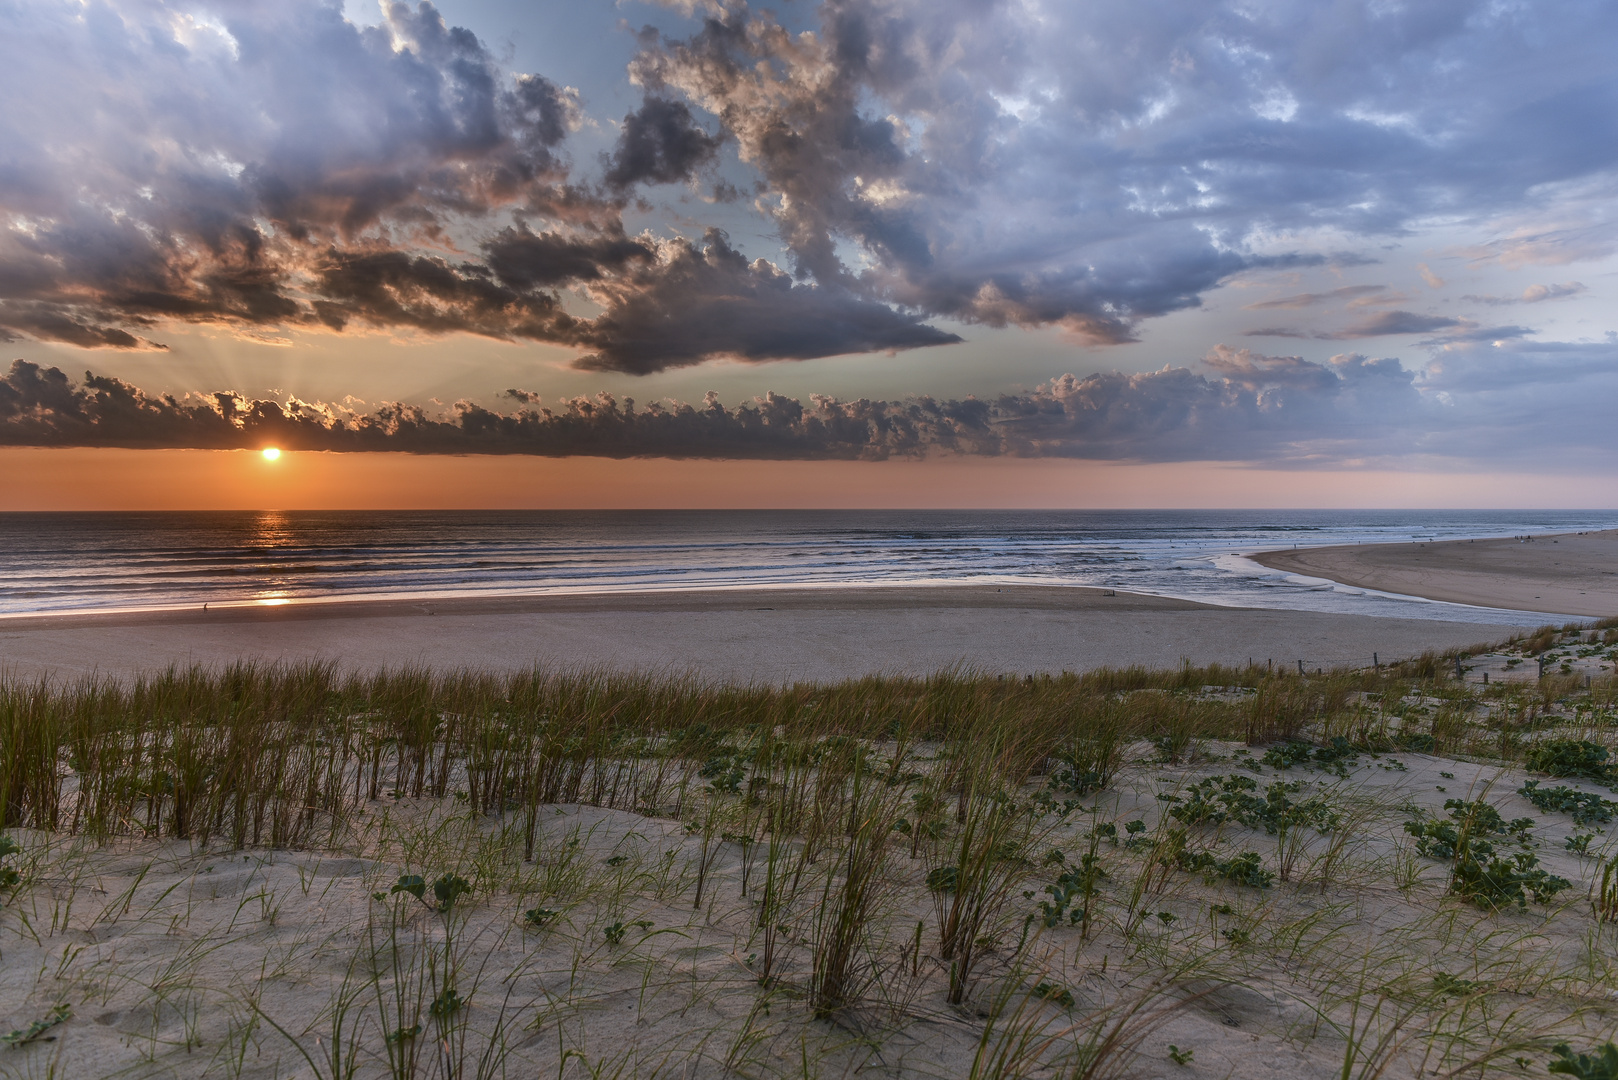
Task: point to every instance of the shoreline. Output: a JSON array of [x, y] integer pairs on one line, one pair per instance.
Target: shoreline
[[707, 596], [733, 635], [1572, 574]]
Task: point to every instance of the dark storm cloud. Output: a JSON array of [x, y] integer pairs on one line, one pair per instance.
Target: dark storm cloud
[[1523, 403], [228, 163], [274, 166], [696, 302], [660, 144], [51, 323], [523, 260]]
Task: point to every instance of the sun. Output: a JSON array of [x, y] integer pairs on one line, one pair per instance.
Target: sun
[[271, 453]]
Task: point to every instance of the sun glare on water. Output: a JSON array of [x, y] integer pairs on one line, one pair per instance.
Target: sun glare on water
[[271, 453]]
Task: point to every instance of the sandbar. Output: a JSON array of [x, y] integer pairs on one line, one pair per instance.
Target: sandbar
[[768, 636], [1569, 573]]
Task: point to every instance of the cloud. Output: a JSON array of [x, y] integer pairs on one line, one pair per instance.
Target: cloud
[[1496, 404], [1522, 367], [266, 167], [1534, 246], [1470, 332], [1039, 163], [1533, 294], [698, 302], [1545, 403], [1384, 323], [660, 144], [1390, 323], [224, 163], [1303, 300]]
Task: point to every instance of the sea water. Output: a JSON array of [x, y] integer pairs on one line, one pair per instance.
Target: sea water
[[65, 562]]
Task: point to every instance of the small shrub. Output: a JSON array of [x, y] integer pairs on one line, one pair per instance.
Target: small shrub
[[1499, 883], [540, 917], [1087, 764], [1477, 874], [9, 876], [1337, 757], [615, 933], [1447, 985], [944, 879], [724, 772], [1219, 799], [447, 889], [1078, 883], [1137, 837], [1049, 991], [1586, 808], [1466, 831], [1570, 757], [1244, 869], [35, 1032], [1287, 755], [1601, 1065]]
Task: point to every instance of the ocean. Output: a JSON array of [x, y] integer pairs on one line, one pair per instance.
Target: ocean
[[74, 562]]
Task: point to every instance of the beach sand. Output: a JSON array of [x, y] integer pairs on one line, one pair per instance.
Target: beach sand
[[176, 960], [770, 636], [1573, 573]]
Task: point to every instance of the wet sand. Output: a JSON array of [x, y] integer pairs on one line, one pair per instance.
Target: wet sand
[[766, 636], [1571, 573]]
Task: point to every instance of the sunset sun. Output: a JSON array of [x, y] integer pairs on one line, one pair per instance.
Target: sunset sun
[[271, 453]]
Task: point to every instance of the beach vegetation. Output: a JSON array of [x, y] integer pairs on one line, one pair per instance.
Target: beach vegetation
[[410, 873], [1586, 808], [1570, 757]]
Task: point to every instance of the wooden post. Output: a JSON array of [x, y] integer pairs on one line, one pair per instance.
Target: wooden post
[[1300, 668], [1376, 662]]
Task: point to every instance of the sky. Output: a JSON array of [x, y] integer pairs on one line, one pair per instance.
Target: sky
[[890, 253]]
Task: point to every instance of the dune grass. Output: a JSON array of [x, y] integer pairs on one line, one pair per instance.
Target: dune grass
[[268, 871]]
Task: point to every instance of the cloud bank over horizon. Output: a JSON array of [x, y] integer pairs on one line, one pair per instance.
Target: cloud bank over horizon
[[1037, 164], [1511, 403]]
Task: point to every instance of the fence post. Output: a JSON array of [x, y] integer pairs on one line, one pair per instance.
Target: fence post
[[1376, 662], [1300, 668]]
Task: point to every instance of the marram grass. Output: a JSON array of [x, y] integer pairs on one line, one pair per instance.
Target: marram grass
[[279, 871]]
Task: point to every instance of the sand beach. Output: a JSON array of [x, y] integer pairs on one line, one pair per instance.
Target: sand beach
[[1572, 573], [755, 635], [536, 853]]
